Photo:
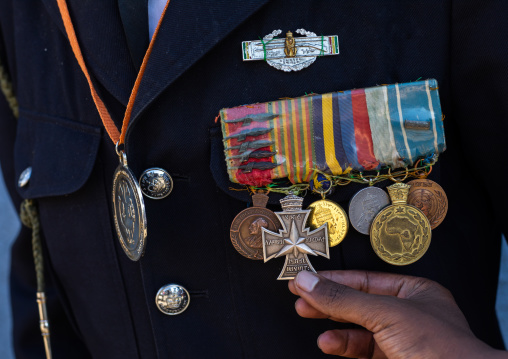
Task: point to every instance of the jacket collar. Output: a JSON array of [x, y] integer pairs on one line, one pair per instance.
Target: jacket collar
[[181, 44], [102, 40], [135, 27], [178, 46]]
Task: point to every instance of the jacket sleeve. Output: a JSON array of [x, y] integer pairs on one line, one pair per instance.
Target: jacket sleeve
[[28, 343]]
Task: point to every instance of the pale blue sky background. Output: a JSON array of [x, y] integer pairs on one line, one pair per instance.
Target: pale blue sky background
[[9, 227]]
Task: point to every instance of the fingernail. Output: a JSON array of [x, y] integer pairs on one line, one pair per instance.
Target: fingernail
[[306, 281], [318, 341]]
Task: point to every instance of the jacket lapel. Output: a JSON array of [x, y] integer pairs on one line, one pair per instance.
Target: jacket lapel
[[102, 40], [180, 44], [134, 16]]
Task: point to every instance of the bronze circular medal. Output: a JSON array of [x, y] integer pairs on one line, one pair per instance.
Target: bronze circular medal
[[129, 213], [430, 198], [246, 233]]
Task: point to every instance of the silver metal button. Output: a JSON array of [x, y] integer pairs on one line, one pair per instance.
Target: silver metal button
[[172, 299], [156, 183], [24, 177]]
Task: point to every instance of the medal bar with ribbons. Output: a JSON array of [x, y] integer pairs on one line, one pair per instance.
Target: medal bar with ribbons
[[317, 142]]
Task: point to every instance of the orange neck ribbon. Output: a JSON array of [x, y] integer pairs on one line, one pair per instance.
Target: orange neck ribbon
[[118, 138]]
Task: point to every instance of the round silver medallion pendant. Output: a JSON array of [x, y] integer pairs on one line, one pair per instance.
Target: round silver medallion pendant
[[129, 213], [156, 183], [172, 299], [365, 205]]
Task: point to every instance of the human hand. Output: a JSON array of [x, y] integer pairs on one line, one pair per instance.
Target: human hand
[[404, 317]]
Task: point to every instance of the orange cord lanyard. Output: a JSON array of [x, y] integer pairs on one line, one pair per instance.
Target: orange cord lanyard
[[109, 125]]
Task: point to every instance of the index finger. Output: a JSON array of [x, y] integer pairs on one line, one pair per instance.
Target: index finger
[[396, 285], [344, 303]]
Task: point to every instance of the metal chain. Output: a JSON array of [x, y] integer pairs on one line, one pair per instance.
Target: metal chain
[[358, 177]]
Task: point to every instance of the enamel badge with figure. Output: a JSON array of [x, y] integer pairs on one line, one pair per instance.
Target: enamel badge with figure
[[290, 53], [295, 241]]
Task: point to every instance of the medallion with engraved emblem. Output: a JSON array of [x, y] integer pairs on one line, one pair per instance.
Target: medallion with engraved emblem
[[172, 299], [400, 234], [129, 213], [430, 198], [326, 211], [156, 183], [246, 233], [365, 205]]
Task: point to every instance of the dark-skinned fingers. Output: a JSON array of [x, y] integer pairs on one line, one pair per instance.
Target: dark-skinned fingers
[[380, 283], [292, 287], [350, 343], [425, 290], [344, 303], [307, 311], [370, 282]]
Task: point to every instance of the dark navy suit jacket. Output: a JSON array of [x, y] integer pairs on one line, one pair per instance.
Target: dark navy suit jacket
[[102, 305]]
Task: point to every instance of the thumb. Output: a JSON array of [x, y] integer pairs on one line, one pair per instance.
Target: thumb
[[343, 303]]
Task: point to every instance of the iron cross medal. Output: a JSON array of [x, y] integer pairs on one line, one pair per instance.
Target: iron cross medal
[[294, 240]]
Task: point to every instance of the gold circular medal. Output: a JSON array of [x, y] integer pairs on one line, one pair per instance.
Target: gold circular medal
[[400, 234], [430, 198], [325, 211]]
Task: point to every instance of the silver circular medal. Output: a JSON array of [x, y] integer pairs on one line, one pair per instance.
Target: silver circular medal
[[156, 183], [365, 205], [129, 212], [172, 299]]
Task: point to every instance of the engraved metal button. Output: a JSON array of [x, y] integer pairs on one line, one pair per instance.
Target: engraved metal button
[[156, 183], [172, 299], [24, 177]]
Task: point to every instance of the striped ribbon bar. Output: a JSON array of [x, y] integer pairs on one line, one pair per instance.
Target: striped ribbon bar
[[364, 130]]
